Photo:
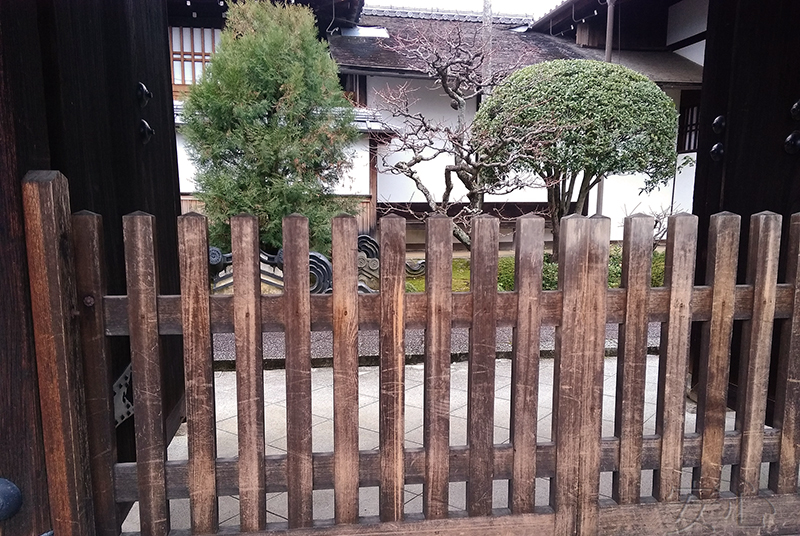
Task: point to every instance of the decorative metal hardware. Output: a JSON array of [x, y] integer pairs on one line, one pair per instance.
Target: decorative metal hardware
[[718, 125], [143, 95], [795, 111], [792, 143], [717, 152], [10, 499], [145, 131], [123, 406]]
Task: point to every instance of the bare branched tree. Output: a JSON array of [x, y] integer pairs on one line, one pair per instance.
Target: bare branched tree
[[455, 61]]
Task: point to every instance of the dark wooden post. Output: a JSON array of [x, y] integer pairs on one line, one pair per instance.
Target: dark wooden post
[[53, 303]]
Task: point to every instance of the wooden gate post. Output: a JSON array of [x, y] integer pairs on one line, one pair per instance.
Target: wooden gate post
[[45, 199]]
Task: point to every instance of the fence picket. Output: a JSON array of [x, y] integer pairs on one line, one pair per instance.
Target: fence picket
[[578, 376], [673, 358], [345, 368], [436, 433], [199, 375], [392, 359], [637, 252], [529, 240], [249, 374], [90, 279], [51, 270], [481, 370], [712, 382], [298, 370], [783, 475], [762, 273], [142, 284]]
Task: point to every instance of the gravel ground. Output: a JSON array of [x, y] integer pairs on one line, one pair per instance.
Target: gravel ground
[[322, 342]]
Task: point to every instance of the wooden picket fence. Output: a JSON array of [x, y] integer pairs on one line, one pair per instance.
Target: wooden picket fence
[[74, 373]]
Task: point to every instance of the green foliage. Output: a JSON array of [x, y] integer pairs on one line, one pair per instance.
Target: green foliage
[[268, 124], [549, 273], [610, 119], [657, 275], [614, 266], [505, 273]]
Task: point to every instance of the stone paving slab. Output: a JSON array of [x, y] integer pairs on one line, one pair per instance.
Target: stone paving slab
[[322, 431]]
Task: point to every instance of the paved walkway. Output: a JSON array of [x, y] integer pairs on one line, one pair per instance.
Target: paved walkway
[[322, 431]]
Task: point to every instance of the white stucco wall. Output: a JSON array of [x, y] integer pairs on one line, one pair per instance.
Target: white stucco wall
[[186, 169], [356, 180], [622, 194], [435, 105], [686, 19]]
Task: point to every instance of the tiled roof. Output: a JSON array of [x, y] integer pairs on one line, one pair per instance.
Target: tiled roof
[[370, 54]]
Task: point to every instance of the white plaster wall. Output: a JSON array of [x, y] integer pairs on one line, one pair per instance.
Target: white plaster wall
[[622, 196], [686, 18], [695, 52], [186, 169], [433, 104], [356, 179]]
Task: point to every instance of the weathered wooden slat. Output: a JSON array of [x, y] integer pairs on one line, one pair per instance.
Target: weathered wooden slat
[[591, 358], [141, 272], [712, 381], [116, 307], [751, 405], [369, 465], [500, 523], [90, 279], [51, 270], [436, 432], [392, 351], [249, 375], [783, 475], [637, 257], [298, 369], [481, 367], [345, 368], [199, 374], [722, 516], [678, 277], [529, 239], [578, 375], [567, 374]]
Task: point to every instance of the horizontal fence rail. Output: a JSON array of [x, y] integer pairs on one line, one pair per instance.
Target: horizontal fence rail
[[577, 452]]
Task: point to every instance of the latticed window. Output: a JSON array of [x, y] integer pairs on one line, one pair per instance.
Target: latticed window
[[191, 52], [689, 122]]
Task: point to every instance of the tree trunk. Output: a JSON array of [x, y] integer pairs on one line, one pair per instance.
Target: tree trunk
[[556, 211]]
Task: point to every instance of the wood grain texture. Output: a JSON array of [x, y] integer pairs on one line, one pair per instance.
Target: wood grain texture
[[249, 375], [751, 405], [783, 475], [529, 254], [436, 419], [592, 356], [678, 278], [637, 249], [345, 368], [296, 292], [715, 348], [578, 375], [392, 352], [90, 280], [481, 368], [199, 374], [51, 270], [151, 452], [369, 307], [369, 465]]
